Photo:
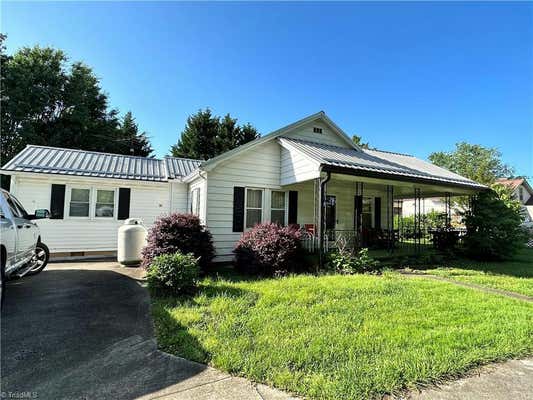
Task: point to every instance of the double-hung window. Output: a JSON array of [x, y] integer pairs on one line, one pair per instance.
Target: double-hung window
[[105, 203], [277, 209], [79, 202], [254, 207]]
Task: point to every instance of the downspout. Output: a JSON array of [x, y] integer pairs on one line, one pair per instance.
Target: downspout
[[323, 183]]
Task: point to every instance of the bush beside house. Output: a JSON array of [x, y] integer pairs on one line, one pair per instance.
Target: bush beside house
[[269, 249], [173, 273], [493, 226], [182, 233]]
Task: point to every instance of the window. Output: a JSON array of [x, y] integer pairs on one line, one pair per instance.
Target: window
[[79, 202], [277, 213], [367, 213], [105, 204], [13, 207], [521, 194], [254, 207], [195, 201], [317, 129]]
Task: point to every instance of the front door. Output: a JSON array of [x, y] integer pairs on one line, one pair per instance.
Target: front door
[[331, 216]]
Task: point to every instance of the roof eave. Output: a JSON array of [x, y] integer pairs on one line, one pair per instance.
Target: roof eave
[[402, 178]]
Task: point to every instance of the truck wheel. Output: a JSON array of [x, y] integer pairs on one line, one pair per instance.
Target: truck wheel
[[40, 259]]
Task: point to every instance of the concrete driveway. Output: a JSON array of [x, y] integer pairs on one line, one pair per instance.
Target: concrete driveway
[[84, 331]]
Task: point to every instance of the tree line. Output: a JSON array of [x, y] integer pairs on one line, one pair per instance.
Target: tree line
[[46, 100]]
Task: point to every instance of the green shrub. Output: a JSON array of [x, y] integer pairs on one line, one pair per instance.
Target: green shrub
[[173, 273], [493, 226], [344, 262]]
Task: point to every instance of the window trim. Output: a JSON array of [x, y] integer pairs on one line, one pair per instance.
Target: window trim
[[93, 190], [285, 206], [68, 200], [115, 206], [262, 190]]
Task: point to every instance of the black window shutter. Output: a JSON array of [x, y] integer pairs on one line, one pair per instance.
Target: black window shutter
[[124, 203], [57, 202], [293, 207], [377, 213], [238, 209]]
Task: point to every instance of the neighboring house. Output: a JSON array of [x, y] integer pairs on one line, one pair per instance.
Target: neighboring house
[[279, 177], [523, 193]]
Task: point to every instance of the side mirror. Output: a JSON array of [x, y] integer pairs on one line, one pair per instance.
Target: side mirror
[[41, 213]]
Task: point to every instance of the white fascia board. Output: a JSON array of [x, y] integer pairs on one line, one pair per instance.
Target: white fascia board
[[210, 164]]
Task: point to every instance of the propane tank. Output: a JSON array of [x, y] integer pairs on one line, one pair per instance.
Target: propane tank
[[131, 239]]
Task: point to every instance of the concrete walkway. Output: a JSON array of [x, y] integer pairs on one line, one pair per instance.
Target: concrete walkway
[[84, 331], [509, 380], [469, 285]]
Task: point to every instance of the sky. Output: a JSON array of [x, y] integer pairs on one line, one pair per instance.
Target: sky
[[412, 77]]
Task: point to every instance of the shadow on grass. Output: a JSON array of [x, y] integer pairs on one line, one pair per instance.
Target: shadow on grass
[[175, 337], [520, 266]]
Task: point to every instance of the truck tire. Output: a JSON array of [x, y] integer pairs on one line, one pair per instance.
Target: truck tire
[[42, 255]]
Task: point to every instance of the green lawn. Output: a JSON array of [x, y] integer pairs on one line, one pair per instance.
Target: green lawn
[[343, 337], [515, 275]]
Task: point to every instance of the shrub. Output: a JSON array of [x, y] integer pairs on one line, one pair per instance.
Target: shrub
[[173, 273], [493, 227], [179, 232], [269, 249], [345, 262]]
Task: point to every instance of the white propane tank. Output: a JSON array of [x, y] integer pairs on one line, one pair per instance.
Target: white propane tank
[[131, 240]]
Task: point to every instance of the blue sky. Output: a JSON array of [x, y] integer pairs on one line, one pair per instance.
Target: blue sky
[[408, 77]]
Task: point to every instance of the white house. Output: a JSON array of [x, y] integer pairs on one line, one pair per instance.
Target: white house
[[523, 192], [308, 173]]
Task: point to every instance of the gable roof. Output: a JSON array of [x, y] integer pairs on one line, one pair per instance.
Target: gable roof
[[515, 183], [382, 162], [54, 160], [321, 115]]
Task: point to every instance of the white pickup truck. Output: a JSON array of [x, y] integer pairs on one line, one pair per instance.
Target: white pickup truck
[[21, 250]]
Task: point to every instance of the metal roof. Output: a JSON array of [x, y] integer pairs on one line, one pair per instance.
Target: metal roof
[[388, 163], [54, 160], [179, 167]]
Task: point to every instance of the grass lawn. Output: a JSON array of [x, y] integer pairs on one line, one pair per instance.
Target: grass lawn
[[515, 275], [343, 337]]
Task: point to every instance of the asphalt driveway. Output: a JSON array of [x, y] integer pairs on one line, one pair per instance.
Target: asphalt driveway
[[84, 331]]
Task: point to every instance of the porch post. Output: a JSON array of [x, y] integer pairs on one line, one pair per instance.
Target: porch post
[[322, 197], [448, 207], [418, 220], [390, 217]]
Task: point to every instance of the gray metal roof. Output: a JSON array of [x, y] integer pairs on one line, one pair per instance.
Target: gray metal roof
[[179, 167], [53, 160], [377, 161]]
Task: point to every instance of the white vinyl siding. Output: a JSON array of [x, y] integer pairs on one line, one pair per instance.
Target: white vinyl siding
[[327, 136], [295, 167], [147, 202], [179, 194], [256, 168]]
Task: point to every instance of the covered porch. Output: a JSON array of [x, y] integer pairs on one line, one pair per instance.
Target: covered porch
[[350, 199], [342, 211]]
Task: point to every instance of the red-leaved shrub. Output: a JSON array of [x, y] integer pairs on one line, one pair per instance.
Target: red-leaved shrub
[[269, 248], [179, 232]]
